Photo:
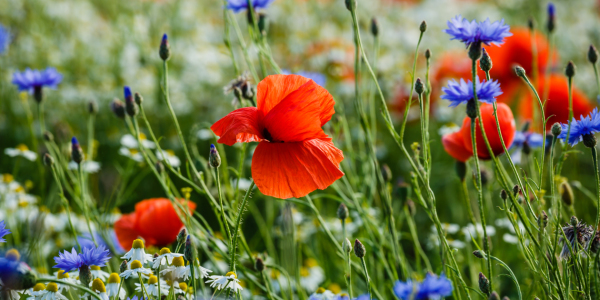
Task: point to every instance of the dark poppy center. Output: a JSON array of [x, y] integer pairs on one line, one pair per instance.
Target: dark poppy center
[[267, 135]]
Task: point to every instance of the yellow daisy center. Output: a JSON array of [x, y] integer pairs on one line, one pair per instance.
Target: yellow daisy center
[[22, 147], [152, 279], [62, 274], [170, 152], [304, 272], [190, 290], [95, 268], [133, 152], [39, 287], [164, 251], [98, 286], [231, 273], [335, 288], [311, 262], [138, 244], [7, 178], [136, 264], [13, 255], [52, 287], [178, 261], [183, 286], [114, 278], [320, 290], [275, 273], [142, 136]]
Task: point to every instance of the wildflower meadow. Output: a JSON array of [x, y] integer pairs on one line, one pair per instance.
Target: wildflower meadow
[[299, 149]]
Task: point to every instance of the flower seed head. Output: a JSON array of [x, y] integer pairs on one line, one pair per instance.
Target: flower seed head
[[570, 69], [484, 284], [556, 129], [593, 54], [359, 249], [213, 158], [259, 265], [374, 27], [342, 212], [165, 49]]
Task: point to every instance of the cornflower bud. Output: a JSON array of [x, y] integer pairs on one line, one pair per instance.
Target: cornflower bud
[[165, 49], [479, 253], [351, 5], [76, 152], [123, 267], [130, 105], [423, 27], [263, 23], [342, 212], [386, 173], [556, 129], [359, 249], [48, 160], [503, 195], [484, 284], [138, 99], [516, 189], [486, 62], [593, 54], [570, 69], [92, 107], [531, 24], [374, 27], [347, 246], [118, 108], [189, 251], [419, 87], [181, 237], [259, 265], [48, 137], [589, 140], [427, 54], [551, 24], [213, 158]]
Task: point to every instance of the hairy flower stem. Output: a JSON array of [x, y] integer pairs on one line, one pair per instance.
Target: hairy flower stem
[[597, 78], [66, 206], [84, 202], [227, 38], [595, 159], [141, 286], [238, 221], [479, 187], [224, 219], [563, 155], [367, 278]]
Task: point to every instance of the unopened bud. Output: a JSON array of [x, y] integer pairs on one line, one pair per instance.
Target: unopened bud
[[551, 24], [182, 236], [351, 5], [374, 27], [359, 249], [516, 189], [423, 26], [347, 246], [503, 195], [419, 86], [531, 24], [48, 160], [486, 62], [138, 99], [520, 72], [189, 251], [48, 137], [342, 212], [263, 23], [386, 173], [164, 50], [484, 284], [123, 267], [570, 69], [130, 105], [485, 177], [461, 170], [92, 107], [76, 152], [118, 108], [427, 54], [479, 253], [566, 193], [213, 158], [574, 221], [556, 129], [475, 51], [259, 265], [593, 54]]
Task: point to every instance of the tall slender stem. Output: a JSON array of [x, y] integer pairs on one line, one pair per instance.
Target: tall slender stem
[[595, 159], [364, 265], [237, 225], [66, 206], [84, 203], [221, 203]]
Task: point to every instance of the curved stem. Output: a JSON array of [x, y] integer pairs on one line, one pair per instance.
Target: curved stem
[[237, 225], [364, 265], [77, 286]]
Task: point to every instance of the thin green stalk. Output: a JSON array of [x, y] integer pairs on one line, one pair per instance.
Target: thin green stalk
[[237, 226], [84, 203], [143, 288], [595, 159], [227, 38], [65, 205], [77, 286], [465, 196], [90, 144], [563, 155], [597, 78], [221, 203], [364, 265], [267, 285]]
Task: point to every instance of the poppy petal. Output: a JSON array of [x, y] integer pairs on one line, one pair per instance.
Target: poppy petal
[[507, 127], [286, 170], [241, 125], [455, 146], [297, 117], [275, 88], [126, 231], [158, 222]]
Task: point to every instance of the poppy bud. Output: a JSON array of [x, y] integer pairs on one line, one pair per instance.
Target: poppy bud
[[138, 99], [494, 296], [486, 62], [419, 87], [214, 160], [543, 220], [190, 251], [92, 107], [589, 140], [123, 266], [351, 5], [423, 26], [342, 212], [503, 195], [472, 109], [85, 275], [593, 54], [386, 173], [551, 18], [181, 237], [520, 72], [48, 137], [347, 246], [556, 129], [484, 284], [570, 69], [118, 108], [76, 152], [130, 106], [531, 24], [359, 249], [164, 50], [263, 23], [566, 193], [38, 94], [160, 168], [479, 253], [259, 265], [427, 54], [461, 170], [374, 27], [475, 51], [48, 160]]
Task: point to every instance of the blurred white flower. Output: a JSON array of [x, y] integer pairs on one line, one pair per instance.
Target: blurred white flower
[[205, 134], [171, 158], [131, 153], [228, 281], [129, 141], [21, 150], [87, 166]]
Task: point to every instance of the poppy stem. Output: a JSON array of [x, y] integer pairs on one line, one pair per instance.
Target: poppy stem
[[237, 225], [595, 159], [222, 209]]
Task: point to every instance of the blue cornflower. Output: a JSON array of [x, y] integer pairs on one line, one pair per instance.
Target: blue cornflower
[[551, 10], [3, 232], [472, 32], [89, 257], [462, 92], [239, 5], [86, 241], [4, 38], [317, 77], [525, 140], [432, 288], [586, 126], [29, 80]]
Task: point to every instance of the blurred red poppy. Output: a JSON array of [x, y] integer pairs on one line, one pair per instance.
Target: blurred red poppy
[[454, 144], [294, 156], [154, 220]]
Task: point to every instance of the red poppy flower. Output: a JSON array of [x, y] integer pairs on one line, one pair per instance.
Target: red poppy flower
[[294, 156], [557, 105], [155, 220], [459, 145]]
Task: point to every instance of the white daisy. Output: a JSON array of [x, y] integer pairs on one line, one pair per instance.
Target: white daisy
[[165, 256], [129, 141], [322, 294], [37, 292], [177, 269], [135, 268], [171, 158], [21, 150], [88, 166], [98, 273], [112, 286], [131, 153], [228, 281], [63, 276], [152, 286], [138, 253], [99, 288], [311, 275], [52, 292], [199, 271]]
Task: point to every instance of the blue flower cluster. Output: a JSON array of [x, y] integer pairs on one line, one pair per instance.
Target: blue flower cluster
[[432, 288], [4, 38], [586, 125], [95, 256], [3, 232], [472, 32], [239, 5], [462, 92], [30, 79]]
